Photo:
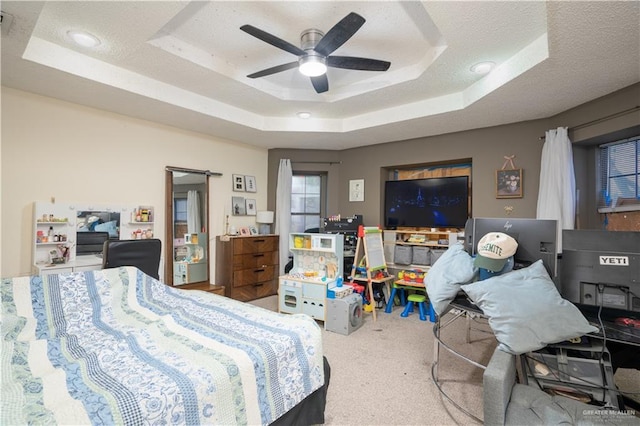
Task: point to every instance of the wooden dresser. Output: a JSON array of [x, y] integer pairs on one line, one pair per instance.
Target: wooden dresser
[[247, 266]]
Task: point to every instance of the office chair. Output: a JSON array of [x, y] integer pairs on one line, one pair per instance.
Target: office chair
[[143, 254]]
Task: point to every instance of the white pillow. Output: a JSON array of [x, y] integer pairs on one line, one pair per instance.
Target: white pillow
[[525, 310]]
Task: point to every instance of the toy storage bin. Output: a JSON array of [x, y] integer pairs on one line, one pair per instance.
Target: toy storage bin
[[420, 256], [435, 255], [403, 255]]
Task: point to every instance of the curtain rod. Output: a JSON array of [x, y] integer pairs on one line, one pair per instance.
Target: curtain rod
[[598, 120], [317, 162], [182, 169]]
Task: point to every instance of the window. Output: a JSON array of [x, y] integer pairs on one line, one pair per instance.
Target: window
[[620, 173], [180, 210], [308, 193]]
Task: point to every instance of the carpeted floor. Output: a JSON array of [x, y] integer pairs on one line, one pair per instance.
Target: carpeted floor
[[381, 373]]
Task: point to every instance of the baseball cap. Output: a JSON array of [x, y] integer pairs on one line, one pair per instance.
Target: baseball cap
[[494, 249]]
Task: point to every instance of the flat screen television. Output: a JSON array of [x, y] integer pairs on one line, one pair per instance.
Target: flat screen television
[[429, 203]]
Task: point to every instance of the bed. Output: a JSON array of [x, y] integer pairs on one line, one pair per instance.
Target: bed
[[116, 346]]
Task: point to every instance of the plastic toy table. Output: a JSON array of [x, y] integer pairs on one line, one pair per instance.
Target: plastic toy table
[[403, 285]]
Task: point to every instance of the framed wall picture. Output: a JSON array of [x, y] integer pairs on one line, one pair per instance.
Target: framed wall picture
[[356, 190], [238, 183], [253, 230], [250, 207], [509, 183], [250, 184], [238, 206]]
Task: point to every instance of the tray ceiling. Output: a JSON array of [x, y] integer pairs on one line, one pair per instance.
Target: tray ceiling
[[185, 64]]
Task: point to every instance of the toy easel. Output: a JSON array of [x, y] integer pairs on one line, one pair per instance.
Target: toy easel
[[369, 251]]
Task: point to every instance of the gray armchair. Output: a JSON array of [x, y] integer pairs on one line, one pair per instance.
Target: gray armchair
[[509, 403]]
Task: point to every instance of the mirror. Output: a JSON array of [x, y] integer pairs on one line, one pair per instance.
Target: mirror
[[187, 227], [94, 227]]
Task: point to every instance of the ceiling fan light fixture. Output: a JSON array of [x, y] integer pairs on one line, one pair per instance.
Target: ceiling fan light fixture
[[312, 65], [83, 38], [483, 67]]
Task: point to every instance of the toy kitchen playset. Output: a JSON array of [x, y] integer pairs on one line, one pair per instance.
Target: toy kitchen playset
[[316, 273]]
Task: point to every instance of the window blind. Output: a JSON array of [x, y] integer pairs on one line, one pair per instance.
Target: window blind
[[619, 173]]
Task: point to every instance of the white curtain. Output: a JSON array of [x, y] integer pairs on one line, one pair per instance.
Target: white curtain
[[193, 212], [283, 210], [557, 194]]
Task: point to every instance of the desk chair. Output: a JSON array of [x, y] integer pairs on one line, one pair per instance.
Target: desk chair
[[143, 254]]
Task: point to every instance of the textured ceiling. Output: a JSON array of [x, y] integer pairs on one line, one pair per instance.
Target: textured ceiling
[[185, 64]]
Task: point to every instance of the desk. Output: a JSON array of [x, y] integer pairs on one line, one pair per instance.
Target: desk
[[622, 342], [90, 262], [411, 285], [582, 368], [464, 309], [627, 335], [406, 285]]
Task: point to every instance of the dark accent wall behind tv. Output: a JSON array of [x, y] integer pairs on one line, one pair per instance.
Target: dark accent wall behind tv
[[485, 148]]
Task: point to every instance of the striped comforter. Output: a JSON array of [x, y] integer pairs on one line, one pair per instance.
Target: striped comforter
[[118, 347]]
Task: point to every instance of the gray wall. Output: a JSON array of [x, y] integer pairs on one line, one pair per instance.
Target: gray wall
[[485, 147]]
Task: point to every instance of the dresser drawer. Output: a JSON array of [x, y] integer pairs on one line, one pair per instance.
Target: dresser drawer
[[254, 275], [254, 260], [255, 245], [254, 291], [248, 266]]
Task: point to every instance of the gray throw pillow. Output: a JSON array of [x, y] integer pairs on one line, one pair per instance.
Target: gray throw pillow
[[443, 280], [525, 310]]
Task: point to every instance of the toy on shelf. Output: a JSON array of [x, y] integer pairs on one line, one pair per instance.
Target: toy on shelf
[[412, 275]]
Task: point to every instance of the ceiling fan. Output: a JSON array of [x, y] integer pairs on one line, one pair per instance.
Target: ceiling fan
[[314, 55]]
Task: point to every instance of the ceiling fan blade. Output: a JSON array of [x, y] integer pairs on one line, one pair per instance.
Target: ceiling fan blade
[[274, 70], [339, 34], [273, 40], [320, 83], [354, 63]]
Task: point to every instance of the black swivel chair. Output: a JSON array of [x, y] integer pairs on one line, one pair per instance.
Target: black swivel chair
[[143, 254]]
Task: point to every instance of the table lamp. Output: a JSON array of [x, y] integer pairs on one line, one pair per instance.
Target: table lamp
[[265, 219]]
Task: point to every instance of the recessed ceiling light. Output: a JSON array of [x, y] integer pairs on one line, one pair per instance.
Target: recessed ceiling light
[[304, 115], [482, 67], [83, 38]]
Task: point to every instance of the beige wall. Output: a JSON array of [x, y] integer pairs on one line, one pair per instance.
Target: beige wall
[[486, 148], [53, 149], [76, 154]]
